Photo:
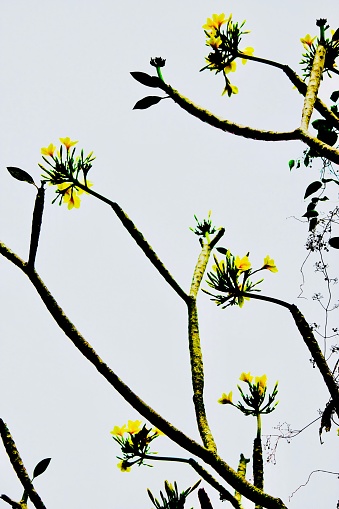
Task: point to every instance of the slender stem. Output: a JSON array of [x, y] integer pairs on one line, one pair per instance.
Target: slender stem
[[139, 239], [36, 224], [18, 466], [300, 86], [211, 458], [313, 86], [197, 366], [311, 343]]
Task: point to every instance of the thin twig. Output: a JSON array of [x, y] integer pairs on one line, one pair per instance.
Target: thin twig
[[139, 239]]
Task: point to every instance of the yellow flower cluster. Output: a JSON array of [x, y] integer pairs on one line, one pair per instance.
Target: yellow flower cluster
[[222, 57], [71, 193]]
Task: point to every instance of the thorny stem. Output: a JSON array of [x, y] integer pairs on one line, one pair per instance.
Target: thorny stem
[[313, 86], [209, 457], [18, 466], [197, 366]]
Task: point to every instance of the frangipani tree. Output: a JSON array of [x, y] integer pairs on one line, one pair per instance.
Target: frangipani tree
[[230, 276]]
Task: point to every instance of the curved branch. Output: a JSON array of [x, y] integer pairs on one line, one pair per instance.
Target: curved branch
[[211, 458], [225, 125]]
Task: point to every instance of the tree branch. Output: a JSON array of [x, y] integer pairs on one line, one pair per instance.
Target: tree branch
[[18, 466], [140, 240], [211, 458]]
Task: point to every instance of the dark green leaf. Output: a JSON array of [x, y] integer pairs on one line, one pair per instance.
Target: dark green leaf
[[147, 102], [320, 124], [312, 188], [222, 250], [41, 467], [324, 198], [311, 213], [329, 137], [146, 79], [312, 224], [291, 163], [334, 242], [312, 205], [19, 174]]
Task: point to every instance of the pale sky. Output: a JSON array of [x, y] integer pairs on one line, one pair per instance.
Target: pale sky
[[65, 72]]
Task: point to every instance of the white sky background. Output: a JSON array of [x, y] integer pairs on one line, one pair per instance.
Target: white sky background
[[65, 72]]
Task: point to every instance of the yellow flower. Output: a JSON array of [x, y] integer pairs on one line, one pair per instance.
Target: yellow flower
[[307, 41], [70, 196], [225, 399], [123, 467], [247, 51], [133, 426], [48, 151], [68, 142], [269, 264], [213, 41], [246, 377], [216, 21], [243, 263], [261, 382], [118, 431], [230, 67]]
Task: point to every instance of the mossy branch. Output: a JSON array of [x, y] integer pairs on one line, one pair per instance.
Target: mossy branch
[[18, 466], [248, 132], [209, 457], [197, 365]]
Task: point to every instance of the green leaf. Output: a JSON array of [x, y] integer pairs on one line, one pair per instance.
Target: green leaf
[[313, 188], [291, 163], [147, 102], [311, 213], [146, 79], [222, 250], [41, 467], [334, 242], [19, 174], [335, 96]]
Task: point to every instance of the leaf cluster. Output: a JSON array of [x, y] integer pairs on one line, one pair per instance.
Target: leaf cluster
[[174, 500]]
